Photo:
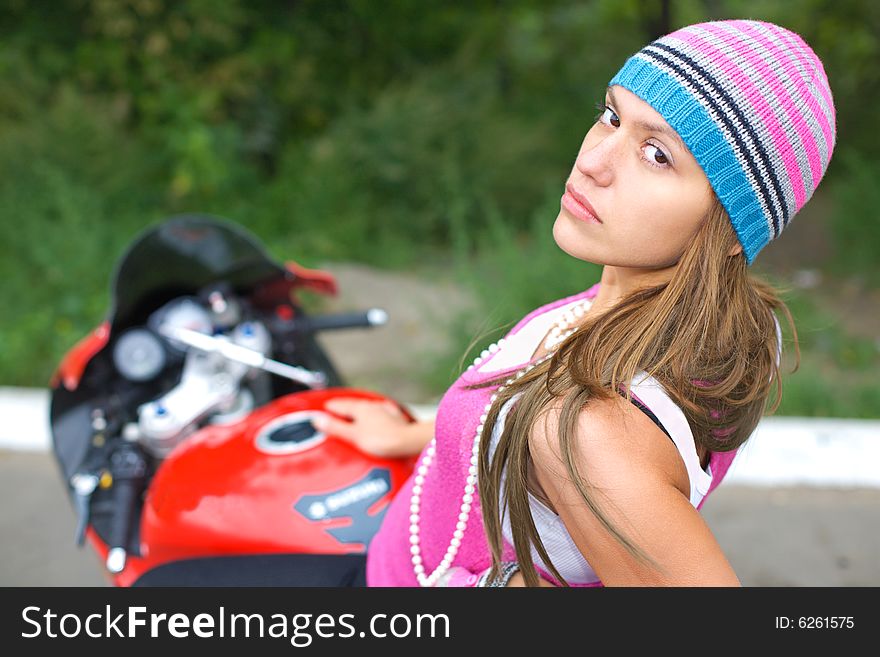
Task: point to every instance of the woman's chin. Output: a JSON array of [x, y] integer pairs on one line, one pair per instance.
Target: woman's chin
[[568, 239]]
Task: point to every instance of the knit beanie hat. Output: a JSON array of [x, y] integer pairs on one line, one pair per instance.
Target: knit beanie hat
[[752, 103]]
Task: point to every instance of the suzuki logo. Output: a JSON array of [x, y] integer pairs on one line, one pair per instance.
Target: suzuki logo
[[350, 502]]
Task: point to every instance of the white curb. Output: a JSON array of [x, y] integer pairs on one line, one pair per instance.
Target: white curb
[[784, 451], [821, 452], [25, 419]]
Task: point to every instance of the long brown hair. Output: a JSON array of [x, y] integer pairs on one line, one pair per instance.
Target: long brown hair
[[709, 338]]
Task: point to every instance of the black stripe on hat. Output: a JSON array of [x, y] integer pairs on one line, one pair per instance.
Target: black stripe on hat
[[710, 99], [730, 102]]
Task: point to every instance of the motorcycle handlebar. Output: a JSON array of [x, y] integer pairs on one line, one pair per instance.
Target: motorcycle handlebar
[[128, 468], [313, 324]]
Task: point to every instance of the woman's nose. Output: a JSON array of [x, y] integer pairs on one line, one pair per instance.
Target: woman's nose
[[597, 159]]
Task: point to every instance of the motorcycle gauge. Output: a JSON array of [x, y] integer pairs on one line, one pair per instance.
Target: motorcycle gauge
[[185, 313], [139, 355]]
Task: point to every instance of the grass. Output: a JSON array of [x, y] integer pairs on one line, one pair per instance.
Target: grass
[[837, 375]]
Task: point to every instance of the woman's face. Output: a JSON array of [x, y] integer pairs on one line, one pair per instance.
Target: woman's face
[[642, 183]]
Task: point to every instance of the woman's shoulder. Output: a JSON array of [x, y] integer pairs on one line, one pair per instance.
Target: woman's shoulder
[[616, 443]]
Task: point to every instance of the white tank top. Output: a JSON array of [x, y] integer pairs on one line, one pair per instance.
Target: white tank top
[[562, 550]]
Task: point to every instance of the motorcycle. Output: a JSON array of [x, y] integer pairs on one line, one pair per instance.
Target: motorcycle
[[182, 424]]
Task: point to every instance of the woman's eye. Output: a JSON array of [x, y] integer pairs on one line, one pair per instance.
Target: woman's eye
[[660, 155], [655, 158], [604, 110]]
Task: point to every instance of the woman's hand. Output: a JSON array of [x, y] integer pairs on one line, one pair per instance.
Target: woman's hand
[[375, 427]]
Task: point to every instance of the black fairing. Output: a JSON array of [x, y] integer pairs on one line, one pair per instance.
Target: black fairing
[[178, 257]]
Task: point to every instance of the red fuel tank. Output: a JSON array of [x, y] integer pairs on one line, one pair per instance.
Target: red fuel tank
[[270, 483]]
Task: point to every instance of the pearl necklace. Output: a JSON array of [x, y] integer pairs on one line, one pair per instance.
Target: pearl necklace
[[557, 335]]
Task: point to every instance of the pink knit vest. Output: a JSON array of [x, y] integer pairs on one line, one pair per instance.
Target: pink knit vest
[[389, 560]]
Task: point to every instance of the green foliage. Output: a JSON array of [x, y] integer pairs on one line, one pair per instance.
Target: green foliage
[[67, 204], [854, 227], [819, 389], [421, 155]]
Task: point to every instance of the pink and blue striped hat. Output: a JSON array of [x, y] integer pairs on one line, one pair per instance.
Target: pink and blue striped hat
[[752, 103]]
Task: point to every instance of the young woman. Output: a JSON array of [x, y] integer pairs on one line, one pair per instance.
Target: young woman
[[579, 449]]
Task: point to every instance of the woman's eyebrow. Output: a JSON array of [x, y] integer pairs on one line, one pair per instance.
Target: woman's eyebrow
[[654, 127]]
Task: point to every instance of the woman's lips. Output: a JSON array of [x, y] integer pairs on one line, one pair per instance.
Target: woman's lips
[[574, 203]]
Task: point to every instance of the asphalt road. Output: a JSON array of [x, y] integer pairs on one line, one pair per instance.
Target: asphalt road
[[773, 536]]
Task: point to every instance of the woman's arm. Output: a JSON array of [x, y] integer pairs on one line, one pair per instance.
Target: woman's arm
[[637, 478]]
